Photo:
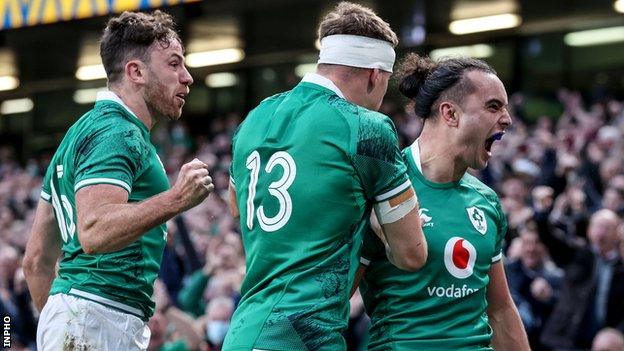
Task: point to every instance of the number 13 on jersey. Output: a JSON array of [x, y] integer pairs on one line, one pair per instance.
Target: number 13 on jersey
[[278, 189]]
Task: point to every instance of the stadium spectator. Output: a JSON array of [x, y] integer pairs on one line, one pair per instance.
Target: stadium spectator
[[217, 321], [592, 290], [608, 339], [109, 193], [534, 283]]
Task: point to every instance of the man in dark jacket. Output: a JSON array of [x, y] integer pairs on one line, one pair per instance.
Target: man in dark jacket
[[593, 287], [534, 283]]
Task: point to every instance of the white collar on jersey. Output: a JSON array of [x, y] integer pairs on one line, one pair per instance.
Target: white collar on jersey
[[110, 96], [415, 149], [318, 79]]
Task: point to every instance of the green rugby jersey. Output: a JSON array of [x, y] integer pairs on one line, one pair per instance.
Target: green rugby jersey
[[307, 166], [443, 305], [108, 145]]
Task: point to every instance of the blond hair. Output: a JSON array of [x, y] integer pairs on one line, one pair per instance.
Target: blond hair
[[355, 19]]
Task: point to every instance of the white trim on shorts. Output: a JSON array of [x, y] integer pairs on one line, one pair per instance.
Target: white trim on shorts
[[107, 302]]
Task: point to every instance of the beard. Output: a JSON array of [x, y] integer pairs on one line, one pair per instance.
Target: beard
[[158, 102]]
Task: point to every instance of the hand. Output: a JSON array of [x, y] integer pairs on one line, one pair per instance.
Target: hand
[[541, 290], [213, 262], [193, 185]]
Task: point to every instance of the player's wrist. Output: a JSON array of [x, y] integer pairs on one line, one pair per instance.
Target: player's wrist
[[174, 201]]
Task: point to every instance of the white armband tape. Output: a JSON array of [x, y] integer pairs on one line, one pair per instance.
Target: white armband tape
[[386, 213]]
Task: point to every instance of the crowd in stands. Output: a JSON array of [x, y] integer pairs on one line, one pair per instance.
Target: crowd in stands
[[560, 179]]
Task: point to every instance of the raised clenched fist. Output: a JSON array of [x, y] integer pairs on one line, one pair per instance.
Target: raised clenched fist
[[194, 184]]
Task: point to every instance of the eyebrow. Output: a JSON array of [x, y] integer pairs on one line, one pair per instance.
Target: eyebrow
[[178, 56], [495, 101]]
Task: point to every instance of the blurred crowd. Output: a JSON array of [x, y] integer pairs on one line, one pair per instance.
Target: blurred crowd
[[560, 179]]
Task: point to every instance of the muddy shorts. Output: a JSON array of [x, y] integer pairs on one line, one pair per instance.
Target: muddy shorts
[[71, 323]]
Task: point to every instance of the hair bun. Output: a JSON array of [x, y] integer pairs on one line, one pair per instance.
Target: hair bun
[[413, 70]]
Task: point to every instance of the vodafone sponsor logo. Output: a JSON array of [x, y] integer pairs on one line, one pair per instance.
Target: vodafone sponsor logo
[[459, 257], [451, 291]]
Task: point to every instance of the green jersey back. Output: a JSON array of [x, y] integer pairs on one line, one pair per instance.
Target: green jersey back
[[108, 145], [307, 165], [443, 305]]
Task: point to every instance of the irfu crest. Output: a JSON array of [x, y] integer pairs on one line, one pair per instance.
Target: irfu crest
[[477, 217]]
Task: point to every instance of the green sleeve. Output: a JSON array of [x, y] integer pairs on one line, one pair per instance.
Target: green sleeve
[[234, 137], [190, 297], [46, 191], [378, 160], [178, 345], [115, 155]]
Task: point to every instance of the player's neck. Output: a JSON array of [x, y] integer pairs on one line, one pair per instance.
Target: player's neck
[[348, 85], [135, 102], [440, 163]]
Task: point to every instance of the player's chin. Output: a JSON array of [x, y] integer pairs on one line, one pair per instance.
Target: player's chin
[[174, 114], [175, 117]]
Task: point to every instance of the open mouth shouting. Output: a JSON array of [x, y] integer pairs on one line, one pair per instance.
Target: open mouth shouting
[[490, 141]]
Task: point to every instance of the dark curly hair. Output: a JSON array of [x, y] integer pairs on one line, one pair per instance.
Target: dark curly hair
[[427, 82], [128, 37]]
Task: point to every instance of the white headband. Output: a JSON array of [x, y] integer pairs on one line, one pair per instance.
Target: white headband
[[357, 51]]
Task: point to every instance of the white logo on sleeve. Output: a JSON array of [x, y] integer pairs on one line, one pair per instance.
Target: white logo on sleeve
[[459, 257], [477, 217]]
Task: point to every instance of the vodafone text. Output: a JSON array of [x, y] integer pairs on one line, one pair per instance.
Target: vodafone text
[[450, 291]]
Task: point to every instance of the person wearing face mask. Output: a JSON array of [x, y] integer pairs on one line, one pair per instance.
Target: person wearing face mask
[[219, 312], [460, 299]]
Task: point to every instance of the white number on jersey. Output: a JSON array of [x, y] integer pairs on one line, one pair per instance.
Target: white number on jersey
[[279, 189], [64, 214]]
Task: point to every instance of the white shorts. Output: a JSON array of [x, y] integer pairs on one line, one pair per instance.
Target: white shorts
[[68, 322]]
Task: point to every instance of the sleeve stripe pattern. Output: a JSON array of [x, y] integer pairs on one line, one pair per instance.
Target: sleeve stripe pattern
[[364, 261], [232, 182], [92, 181], [497, 257], [45, 196], [393, 192]]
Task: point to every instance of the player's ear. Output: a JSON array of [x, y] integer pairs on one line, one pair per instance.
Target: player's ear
[[448, 113], [374, 79], [134, 71]]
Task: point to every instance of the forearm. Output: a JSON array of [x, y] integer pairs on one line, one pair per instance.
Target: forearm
[[39, 281], [42, 251], [509, 333], [111, 227]]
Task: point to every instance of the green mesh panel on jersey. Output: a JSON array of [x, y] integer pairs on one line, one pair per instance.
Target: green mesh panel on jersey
[[377, 160]]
